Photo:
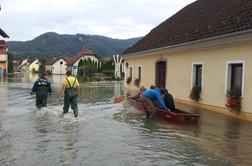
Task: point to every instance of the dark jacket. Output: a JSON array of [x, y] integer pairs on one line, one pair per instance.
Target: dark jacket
[[42, 83], [169, 102]]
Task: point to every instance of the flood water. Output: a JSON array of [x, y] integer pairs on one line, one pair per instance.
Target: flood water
[[109, 134]]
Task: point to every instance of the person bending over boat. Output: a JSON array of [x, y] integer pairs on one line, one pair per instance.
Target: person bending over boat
[[137, 96], [168, 99], [155, 96], [42, 87]]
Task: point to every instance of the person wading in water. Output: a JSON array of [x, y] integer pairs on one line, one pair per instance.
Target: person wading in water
[[70, 90], [42, 87]]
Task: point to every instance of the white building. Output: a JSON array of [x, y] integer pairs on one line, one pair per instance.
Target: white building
[[58, 65], [24, 65], [33, 65]]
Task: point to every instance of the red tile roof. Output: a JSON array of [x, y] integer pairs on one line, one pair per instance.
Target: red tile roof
[[199, 20], [2, 33], [83, 52]]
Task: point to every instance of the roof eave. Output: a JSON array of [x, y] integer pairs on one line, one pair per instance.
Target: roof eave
[[188, 43], [2, 33]]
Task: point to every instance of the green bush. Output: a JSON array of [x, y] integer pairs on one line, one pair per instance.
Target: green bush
[[195, 93]]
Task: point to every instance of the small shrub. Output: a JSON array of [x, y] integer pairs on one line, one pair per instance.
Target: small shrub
[[128, 81], [137, 82], [195, 93], [234, 99]]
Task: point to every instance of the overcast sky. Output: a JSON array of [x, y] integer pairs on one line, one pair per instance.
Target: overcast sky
[[25, 19]]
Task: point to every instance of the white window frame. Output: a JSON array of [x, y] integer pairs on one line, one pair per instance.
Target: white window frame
[[193, 74], [141, 72], [228, 74]]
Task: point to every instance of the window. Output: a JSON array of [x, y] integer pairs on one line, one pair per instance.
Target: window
[[235, 75], [139, 68], [130, 72], [61, 62], [197, 75]]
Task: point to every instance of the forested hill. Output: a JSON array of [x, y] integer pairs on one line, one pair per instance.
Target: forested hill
[[52, 44]]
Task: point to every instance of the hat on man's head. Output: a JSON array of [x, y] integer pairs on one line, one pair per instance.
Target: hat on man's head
[[152, 87], [69, 72], [142, 89]]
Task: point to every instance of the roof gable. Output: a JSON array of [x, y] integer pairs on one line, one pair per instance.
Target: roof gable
[[83, 52], [53, 61], [199, 20]]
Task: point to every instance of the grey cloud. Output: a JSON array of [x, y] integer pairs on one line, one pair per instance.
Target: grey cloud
[[24, 20]]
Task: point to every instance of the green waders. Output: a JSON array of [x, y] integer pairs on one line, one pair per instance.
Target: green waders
[[41, 97], [70, 99]]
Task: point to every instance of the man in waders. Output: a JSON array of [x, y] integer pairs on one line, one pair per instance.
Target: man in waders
[[70, 90], [42, 87]]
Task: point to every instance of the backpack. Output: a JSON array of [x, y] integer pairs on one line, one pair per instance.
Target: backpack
[[71, 91]]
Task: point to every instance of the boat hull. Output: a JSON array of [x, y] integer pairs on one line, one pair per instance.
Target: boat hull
[[175, 116]]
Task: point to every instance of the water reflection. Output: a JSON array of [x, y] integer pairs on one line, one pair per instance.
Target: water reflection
[[3, 94], [57, 79]]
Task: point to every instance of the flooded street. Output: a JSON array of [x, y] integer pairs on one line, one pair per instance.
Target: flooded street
[[109, 134]]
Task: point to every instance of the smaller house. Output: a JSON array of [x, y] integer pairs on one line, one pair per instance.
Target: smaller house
[[58, 65], [33, 65], [24, 65]]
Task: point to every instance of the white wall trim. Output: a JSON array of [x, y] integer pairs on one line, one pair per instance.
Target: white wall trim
[[227, 79], [193, 73]]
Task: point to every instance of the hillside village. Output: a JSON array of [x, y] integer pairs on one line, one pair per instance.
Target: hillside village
[[84, 63]]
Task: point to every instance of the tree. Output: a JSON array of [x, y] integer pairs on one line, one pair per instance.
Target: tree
[[90, 67], [108, 68], [10, 62], [42, 66], [81, 68]]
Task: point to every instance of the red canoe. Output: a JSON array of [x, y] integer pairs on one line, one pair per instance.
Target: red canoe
[[176, 116]]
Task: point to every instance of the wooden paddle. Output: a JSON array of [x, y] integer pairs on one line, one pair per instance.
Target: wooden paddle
[[119, 99]]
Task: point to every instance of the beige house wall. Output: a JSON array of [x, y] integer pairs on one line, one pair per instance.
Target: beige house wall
[[3, 65], [4, 62], [179, 72]]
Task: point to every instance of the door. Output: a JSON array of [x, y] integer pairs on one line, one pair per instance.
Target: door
[[161, 74]]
